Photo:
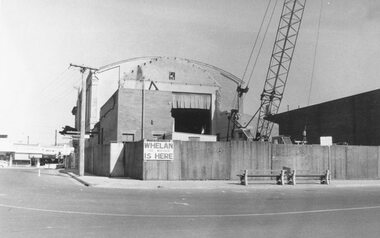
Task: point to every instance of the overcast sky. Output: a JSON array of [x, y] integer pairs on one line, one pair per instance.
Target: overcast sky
[[40, 38]]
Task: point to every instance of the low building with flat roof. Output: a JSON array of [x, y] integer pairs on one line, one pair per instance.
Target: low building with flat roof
[[352, 120]]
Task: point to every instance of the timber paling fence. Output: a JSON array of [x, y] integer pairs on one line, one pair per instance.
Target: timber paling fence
[[224, 160]]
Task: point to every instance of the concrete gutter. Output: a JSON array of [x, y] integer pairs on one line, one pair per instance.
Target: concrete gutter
[[76, 177], [126, 183]]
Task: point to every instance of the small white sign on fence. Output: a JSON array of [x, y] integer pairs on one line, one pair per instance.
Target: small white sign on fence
[[158, 150], [326, 140]]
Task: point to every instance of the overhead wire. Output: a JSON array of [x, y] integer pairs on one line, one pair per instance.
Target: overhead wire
[[60, 90], [315, 52], [240, 90], [67, 96], [255, 42], [54, 82], [235, 100], [65, 93], [304, 133], [262, 42], [257, 56], [51, 91]]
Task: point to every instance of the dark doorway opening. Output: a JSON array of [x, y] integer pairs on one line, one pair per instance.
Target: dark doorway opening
[[197, 121]]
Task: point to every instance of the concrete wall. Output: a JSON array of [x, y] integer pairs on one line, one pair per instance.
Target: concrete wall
[[224, 160], [195, 160], [104, 159], [356, 162], [312, 158], [133, 160], [207, 160], [116, 160], [97, 158]]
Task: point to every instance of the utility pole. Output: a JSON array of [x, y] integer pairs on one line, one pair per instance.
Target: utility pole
[[82, 69], [140, 77], [55, 142]]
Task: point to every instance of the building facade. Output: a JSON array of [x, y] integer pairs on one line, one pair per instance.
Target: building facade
[[153, 98], [159, 97], [17, 154], [351, 120]]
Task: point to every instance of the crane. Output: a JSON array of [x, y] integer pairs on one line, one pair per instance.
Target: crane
[[278, 71]]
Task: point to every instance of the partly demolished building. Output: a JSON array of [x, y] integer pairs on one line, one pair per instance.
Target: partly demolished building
[[156, 98]]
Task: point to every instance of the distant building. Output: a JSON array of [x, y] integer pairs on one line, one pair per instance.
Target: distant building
[[16, 154], [351, 120]]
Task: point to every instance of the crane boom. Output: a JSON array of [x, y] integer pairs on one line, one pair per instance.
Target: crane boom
[[278, 71]]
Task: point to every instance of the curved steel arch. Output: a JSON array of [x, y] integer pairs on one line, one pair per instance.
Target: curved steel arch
[[221, 71]]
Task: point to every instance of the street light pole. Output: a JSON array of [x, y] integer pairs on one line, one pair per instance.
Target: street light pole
[[82, 117]]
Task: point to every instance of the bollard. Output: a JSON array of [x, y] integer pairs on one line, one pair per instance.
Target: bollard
[[294, 177], [39, 172], [328, 177], [282, 177], [246, 177]]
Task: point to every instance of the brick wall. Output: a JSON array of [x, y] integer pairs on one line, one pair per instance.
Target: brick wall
[[108, 120], [157, 113]]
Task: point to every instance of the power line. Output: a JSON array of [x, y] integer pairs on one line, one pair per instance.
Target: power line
[[57, 85], [241, 91], [53, 82], [257, 37], [262, 42], [315, 52]]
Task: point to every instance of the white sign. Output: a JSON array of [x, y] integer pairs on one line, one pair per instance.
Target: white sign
[[326, 140], [158, 150]]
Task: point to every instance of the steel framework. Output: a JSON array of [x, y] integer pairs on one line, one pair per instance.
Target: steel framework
[[278, 71]]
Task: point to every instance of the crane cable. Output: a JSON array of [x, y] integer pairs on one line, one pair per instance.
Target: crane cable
[[255, 42], [257, 56], [262, 42], [235, 101], [313, 68], [254, 66], [315, 53]]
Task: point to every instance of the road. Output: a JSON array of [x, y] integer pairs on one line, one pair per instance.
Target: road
[[54, 204]]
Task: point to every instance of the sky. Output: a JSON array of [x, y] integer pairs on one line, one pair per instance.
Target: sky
[[40, 38]]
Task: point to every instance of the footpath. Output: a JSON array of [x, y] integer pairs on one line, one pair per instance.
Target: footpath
[[127, 183]]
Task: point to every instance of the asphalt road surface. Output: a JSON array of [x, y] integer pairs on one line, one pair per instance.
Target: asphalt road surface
[[55, 205]]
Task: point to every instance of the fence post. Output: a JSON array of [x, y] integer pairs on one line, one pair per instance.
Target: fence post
[[246, 177], [329, 159], [282, 177], [328, 177], [294, 176], [378, 162]]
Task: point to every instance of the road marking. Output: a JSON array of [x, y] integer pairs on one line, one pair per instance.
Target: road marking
[[180, 203], [192, 216]]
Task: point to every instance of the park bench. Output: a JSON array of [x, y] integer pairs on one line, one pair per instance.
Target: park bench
[[324, 178], [280, 176]]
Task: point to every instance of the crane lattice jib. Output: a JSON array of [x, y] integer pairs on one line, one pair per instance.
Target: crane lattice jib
[[282, 54]]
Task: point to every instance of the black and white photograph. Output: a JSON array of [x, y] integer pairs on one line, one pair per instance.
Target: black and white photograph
[[189, 118]]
